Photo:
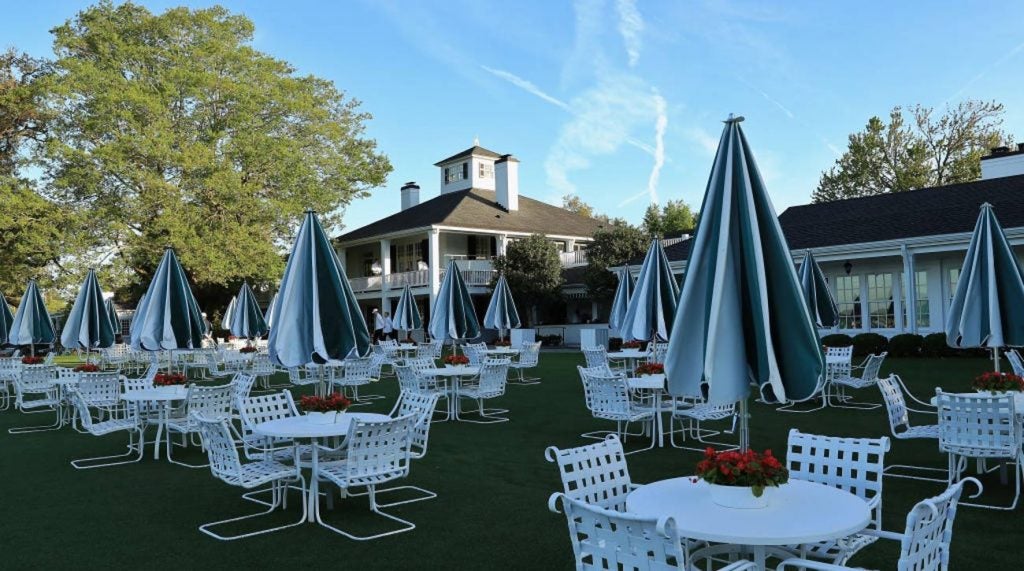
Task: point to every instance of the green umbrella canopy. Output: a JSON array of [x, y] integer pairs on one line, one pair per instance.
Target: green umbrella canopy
[[168, 317], [115, 319], [501, 310], [453, 315], [620, 304], [31, 324], [407, 314], [88, 324], [817, 293], [988, 306], [652, 306], [742, 316], [247, 320], [269, 315], [316, 316], [229, 313], [6, 319]]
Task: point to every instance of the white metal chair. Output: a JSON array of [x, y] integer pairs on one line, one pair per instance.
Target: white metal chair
[[475, 353], [869, 371], [263, 370], [99, 390], [983, 426], [425, 351], [529, 358], [242, 383], [595, 356], [35, 392], [119, 417], [596, 473], [253, 410], [358, 373], [489, 384], [210, 403], [925, 541], [855, 465], [1015, 362], [608, 397], [690, 414], [901, 429], [376, 452], [604, 539], [227, 467]]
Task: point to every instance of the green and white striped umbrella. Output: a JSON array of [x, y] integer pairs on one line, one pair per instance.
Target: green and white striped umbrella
[[229, 313], [167, 317], [111, 311], [88, 325], [817, 293], [269, 315], [652, 306], [6, 319], [988, 306], [31, 324], [316, 315], [617, 316], [453, 315], [742, 316], [501, 310], [247, 320], [407, 314]]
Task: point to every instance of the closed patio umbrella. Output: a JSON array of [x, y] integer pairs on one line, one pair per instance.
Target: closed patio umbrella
[[501, 310], [742, 318], [653, 303], [229, 312], [31, 324], [453, 315], [988, 307], [88, 324], [111, 310], [167, 317], [407, 314], [624, 291], [817, 293], [6, 318], [316, 316], [247, 320], [268, 316]]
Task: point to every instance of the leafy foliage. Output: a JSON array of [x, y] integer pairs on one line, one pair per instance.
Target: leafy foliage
[[869, 344], [533, 271], [674, 218], [613, 247], [905, 345], [837, 340]]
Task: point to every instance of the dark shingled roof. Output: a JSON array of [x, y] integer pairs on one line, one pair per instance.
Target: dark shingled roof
[[474, 150], [932, 211], [476, 208]]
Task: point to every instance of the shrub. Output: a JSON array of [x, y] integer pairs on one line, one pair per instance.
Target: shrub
[[614, 344], [906, 345], [869, 344], [550, 340], [934, 345], [837, 340]]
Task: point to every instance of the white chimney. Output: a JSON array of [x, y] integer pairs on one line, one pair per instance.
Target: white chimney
[[1003, 162], [410, 195], [506, 182]]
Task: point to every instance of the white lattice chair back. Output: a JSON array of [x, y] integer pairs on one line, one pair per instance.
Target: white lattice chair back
[[494, 375], [604, 539], [242, 383], [585, 374], [67, 373], [261, 365], [979, 425], [408, 379], [895, 404], [596, 473], [929, 531], [377, 451], [263, 408], [1015, 362], [220, 448], [425, 351], [358, 370], [419, 365], [658, 354], [99, 388], [474, 353], [211, 402], [421, 406], [839, 352], [36, 378], [855, 465], [595, 356], [85, 416], [529, 354], [609, 395], [873, 366]]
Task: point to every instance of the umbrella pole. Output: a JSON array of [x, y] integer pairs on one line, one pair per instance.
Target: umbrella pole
[[995, 357], [744, 426]]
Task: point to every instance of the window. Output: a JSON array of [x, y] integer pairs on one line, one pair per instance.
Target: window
[[456, 173], [954, 279], [848, 300], [880, 304], [921, 293], [486, 170], [407, 257]]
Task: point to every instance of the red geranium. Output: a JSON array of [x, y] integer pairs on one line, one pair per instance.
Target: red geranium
[[998, 382], [632, 345], [169, 379], [247, 349], [503, 343], [650, 369], [335, 402], [31, 360], [735, 468], [87, 368], [456, 360]]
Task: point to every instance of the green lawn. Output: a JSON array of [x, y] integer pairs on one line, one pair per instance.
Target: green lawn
[[493, 484]]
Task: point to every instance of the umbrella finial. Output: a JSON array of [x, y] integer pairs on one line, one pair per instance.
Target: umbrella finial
[[733, 119], [986, 205]]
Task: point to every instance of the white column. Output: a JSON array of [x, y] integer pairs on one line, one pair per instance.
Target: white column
[[910, 279], [385, 257], [502, 244], [434, 238]]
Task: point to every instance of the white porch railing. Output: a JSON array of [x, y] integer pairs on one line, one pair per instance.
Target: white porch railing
[[573, 259], [475, 277], [411, 279], [369, 283]]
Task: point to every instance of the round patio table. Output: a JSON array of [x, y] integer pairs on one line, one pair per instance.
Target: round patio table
[[630, 356], [656, 385], [162, 396], [455, 374], [502, 352], [301, 428], [797, 512]]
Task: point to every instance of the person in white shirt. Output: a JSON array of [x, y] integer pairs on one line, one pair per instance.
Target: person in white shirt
[[378, 326], [389, 327]]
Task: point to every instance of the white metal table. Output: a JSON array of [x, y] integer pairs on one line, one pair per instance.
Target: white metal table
[[301, 428], [163, 397], [630, 356], [797, 512], [502, 352], [656, 385], [454, 374]]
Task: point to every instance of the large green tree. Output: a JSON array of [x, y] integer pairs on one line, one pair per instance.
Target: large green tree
[[923, 150], [612, 247], [170, 129], [533, 271], [674, 217]]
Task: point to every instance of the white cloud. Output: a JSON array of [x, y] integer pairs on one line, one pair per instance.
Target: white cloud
[[631, 25], [661, 123], [527, 86], [704, 139]]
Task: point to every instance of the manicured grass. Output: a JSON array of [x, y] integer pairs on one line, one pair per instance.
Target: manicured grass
[[493, 485]]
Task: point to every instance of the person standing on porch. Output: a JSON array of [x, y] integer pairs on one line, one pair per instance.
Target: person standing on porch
[[378, 326], [389, 327]]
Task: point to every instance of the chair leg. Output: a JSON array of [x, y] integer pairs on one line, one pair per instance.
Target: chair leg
[[168, 446], [372, 493], [486, 415], [134, 449], [1018, 475], [57, 425], [279, 498], [654, 437]]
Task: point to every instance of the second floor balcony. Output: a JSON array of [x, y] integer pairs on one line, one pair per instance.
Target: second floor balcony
[[474, 272]]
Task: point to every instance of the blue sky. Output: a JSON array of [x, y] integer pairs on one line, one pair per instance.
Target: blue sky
[[620, 101]]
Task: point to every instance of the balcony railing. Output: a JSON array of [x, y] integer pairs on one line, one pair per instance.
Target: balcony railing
[[573, 259], [474, 272], [412, 279]]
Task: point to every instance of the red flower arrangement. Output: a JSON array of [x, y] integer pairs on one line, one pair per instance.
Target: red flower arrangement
[[169, 379], [632, 345], [734, 468], [998, 382], [334, 402], [87, 368], [503, 343], [247, 349], [31, 360], [650, 369], [456, 360]]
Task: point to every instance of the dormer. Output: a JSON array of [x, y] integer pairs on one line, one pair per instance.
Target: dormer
[[472, 168]]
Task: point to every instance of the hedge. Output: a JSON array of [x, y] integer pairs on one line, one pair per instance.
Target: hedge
[[906, 345], [837, 340], [869, 344]]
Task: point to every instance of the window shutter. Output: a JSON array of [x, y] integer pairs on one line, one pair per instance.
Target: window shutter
[[465, 170], [394, 257], [494, 245], [470, 247], [425, 251]]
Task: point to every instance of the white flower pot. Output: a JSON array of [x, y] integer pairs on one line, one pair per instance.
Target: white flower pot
[[324, 417], [738, 497]]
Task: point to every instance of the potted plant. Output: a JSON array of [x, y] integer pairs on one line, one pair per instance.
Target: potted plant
[[738, 479], [87, 368], [31, 360], [456, 360], [632, 345], [169, 379], [324, 410], [503, 343], [247, 349], [994, 382], [648, 369]]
